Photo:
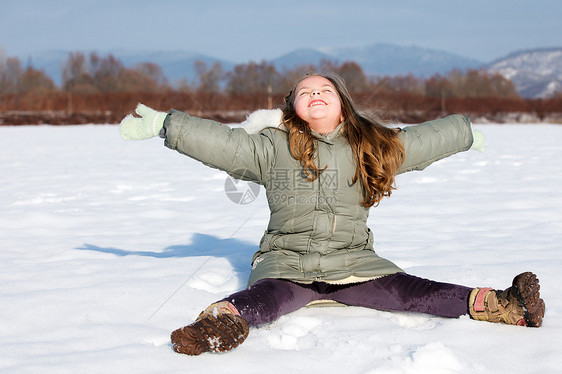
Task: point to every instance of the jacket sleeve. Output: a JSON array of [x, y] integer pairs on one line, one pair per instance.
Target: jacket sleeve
[[243, 156], [434, 140]]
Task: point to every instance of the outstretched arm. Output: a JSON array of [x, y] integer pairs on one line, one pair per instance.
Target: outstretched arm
[[434, 140], [242, 155]]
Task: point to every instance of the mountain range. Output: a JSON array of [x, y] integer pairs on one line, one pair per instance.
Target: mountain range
[[535, 73]]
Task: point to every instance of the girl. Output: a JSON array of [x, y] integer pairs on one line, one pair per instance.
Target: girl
[[323, 165]]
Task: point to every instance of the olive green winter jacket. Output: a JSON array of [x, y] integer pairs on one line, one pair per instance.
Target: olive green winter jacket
[[317, 230]]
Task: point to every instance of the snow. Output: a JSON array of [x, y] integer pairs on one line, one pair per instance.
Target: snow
[[107, 246]]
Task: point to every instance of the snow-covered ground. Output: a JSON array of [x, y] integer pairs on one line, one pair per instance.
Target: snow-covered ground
[[107, 246]]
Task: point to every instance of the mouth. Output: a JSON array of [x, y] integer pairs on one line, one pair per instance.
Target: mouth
[[316, 103]]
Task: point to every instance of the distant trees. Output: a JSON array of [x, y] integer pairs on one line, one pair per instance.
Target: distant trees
[[14, 79], [253, 78], [103, 74], [210, 79], [353, 75], [81, 74], [473, 83], [104, 85]]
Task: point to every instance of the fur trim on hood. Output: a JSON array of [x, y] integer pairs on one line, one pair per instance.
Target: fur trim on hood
[[261, 119]]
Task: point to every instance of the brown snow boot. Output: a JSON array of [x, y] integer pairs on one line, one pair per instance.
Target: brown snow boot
[[520, 304], [219, 328]]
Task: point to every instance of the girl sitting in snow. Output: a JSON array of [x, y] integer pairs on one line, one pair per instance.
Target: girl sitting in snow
[[323, 165]]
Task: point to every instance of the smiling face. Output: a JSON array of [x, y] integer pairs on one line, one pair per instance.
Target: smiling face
[[317, 103]]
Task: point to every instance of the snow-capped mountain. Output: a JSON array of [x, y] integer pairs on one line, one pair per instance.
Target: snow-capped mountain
[[535, 73]]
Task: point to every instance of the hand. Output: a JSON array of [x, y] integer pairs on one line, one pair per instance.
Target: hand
[[479, 142], [147, 126]]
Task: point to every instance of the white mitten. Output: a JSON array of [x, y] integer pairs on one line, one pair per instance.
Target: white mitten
[[147, 126], [479, 142]]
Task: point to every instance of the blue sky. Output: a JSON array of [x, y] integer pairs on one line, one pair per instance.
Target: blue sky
[[241, 31]]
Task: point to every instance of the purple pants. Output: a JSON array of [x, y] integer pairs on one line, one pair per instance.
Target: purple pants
[[268, 299]]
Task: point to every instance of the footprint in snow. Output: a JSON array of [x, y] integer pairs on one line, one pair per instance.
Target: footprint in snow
[[293, 333]]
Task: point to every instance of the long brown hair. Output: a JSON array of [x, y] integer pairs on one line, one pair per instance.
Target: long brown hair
[[376, 148]]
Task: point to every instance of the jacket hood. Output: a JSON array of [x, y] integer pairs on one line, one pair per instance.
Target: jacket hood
[[265, 118], [262, 119]]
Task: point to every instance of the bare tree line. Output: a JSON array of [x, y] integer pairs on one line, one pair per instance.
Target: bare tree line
[[103, 86]]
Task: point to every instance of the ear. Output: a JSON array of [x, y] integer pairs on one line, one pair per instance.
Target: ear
[[261, 119]]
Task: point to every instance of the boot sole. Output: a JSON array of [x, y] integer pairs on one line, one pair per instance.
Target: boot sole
[[211, 334], [526, 287]]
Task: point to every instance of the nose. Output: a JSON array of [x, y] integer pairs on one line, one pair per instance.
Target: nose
[[315, 92]]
